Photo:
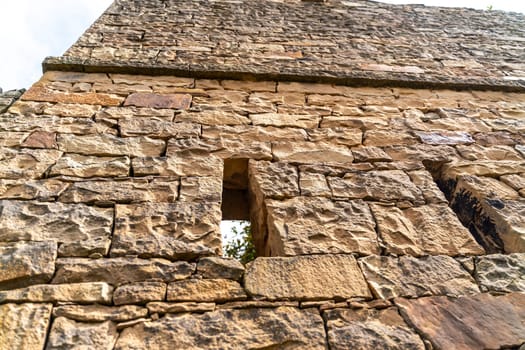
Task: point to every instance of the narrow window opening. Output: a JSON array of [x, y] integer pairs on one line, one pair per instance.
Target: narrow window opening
[[237, 240]]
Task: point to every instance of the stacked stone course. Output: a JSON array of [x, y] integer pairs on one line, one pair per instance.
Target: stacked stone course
[[384, 218]]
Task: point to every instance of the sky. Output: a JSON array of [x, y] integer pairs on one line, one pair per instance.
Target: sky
[[30, 30]]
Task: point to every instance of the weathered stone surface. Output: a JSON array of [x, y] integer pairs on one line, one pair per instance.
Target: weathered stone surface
[[445, 138], [12, 138], [173, 101], [256, 133], [423, 230], [483, 187], [40, 221], [26, 163], [304, 121], [313, 277], [342, 136], [109, 145], [83, 293], [483, 168], [139, 293], [273, 180], [370, 154], [95, 247], [53, 124], [482, 321], [100, 313], [424, 181], [88, 166], [283, 327], [26, 263], [387, 185], [370, 329], [312, 225], [406, 276], [310, 152], [131, 191], [157, 127], [382, 138], [501, 273], [205, 290], [213, 117], [179, 164], [68, 334], [31, 189], [508, 218], [202, 188], [516, 181], [218, 267], [420, 152], [24, 326], [497, 152], [72, 110], [173, 308], [118, 271], [313, 184], [117, 113], [40, 139], [43, 94], [172, 230]]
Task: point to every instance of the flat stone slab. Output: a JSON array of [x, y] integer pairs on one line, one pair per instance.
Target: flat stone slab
[[170, 230], [370, 329], [26, 163], [314, 225], [68, 334], [26, 263], [87, 293], [501, 273], [41, 221], [90, 166], [407, 276], [205, 290], [482, 321], [24, 326], [313, 277], [100, 313], [174, 101], [118, 271], [279, 328], [109, 145]]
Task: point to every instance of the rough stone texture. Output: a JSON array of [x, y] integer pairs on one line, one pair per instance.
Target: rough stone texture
[[217, 267], [311, 225], [68, 334], [306, 278], [370, 329], [41, 221], [173, 308], [100, 313], [482, 321], [423, 230], [205, 290], [87, 293], [180, 101], [139, 293], [172, 230], [108, 145], [26, 263], [89, 166], [26, 163], [501, 273], [147, 39], [24, 326], [406, 276], [118, 271], [285, 328], [183, 163]]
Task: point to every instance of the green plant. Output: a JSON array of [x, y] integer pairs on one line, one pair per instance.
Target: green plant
[[241, 247]]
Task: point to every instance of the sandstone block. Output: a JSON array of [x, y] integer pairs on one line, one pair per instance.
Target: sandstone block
[[313, 184], [384, 185], [218, 267], [139, 293], [26, 163], [313, 277], [88, 166], [205, 290], [53, 124], [12, 138], [83, 293], [424, 230], [41, 221], [407, 276], [273, 180], [76, 77], [275, 328], [370, 329], [501, 273], [213, 117], [91, 247], [310, 152], [119, 271], [100, 313], [255, 133], [157, 127], [482, 321], [204, 188], [173, 101], [40, 139], [44, 94], [382, 138], [424, 181], [445, 137], [117, 113], [72, 110], [498, 152], [370, 154], [109, 145], [24, 326], [157, 190], [179, 164], [174, 308], [31, 189], [312, 225], [26, 263], [304, 121], [69, 334], [172, 230], [420, 152], [516, 181], [341, 136]]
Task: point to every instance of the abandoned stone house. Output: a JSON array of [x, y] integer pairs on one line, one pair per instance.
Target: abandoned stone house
[[377, 150]]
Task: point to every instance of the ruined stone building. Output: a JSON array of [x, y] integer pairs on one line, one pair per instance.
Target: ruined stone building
[[377, 150]]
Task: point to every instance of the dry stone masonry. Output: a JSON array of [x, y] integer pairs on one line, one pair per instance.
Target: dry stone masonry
[[378, 151]]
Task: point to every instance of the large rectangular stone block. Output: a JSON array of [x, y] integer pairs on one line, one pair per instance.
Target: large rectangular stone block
[[24, 326]]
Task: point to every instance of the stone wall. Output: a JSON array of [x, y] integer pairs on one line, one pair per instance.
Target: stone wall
[[8, 98], [383, 217]]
